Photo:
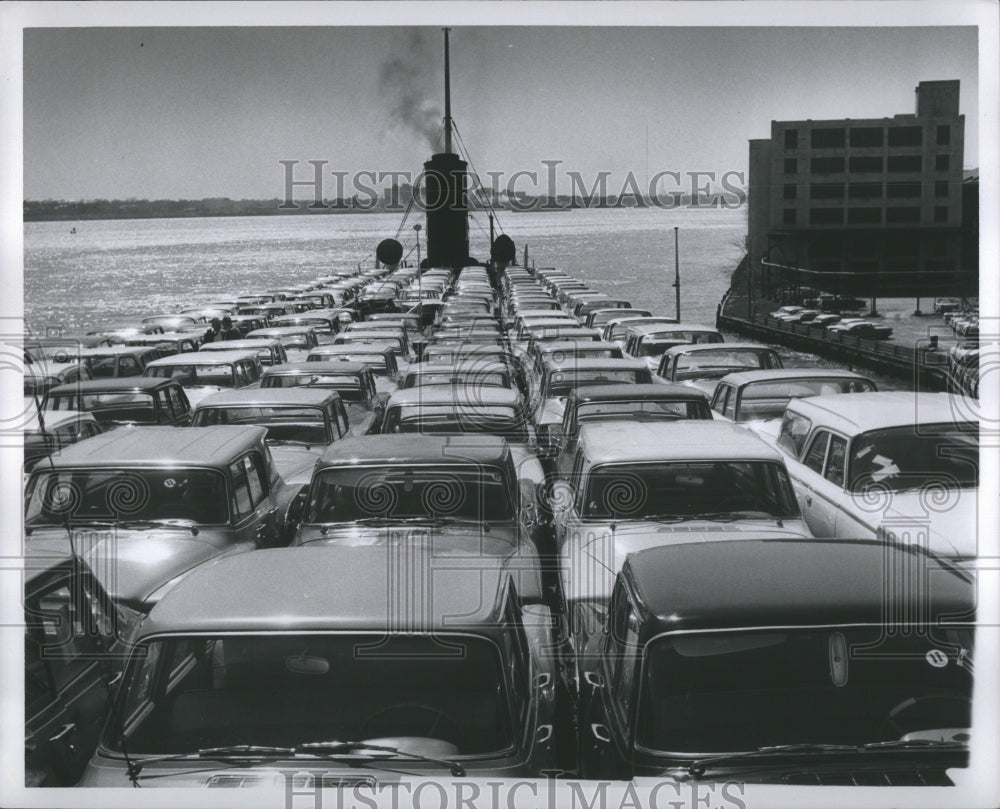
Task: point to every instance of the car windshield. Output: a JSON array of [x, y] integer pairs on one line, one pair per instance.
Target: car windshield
[[689, 488], [731, 691], [299, 425], [117, 406], [562, 383], [181, 694], [644, 409], [914, 457], [470, 493], [82, 495], [719, 362], [216, 375], [767, 400]]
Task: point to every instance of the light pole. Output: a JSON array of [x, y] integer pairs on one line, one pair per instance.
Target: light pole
[[677, 274]]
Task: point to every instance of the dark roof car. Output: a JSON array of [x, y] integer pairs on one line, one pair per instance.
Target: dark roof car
[[125, 401], [787, 670]]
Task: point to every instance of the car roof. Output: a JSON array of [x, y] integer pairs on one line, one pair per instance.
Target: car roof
[[651, 391], [780, 374], [462, 396], [570, 345], [114, 384], [412, 448], [646, 328], [860, 412], [270, 397], [783, 582], [374, 347], [595, 364], [103, 351], [204, 358], [674, 440], [160, 446], [694, 348], [319, 367], [239, 345], [328, 588]]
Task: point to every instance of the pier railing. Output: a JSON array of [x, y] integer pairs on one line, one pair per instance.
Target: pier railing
[[925, 364]]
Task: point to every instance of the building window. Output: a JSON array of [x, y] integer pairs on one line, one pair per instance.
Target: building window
[[826, 191], [791, 165], [906, 136], [900, 215], [864, 191], [826, 216], [789, 191], [788, 217], [828, 138], [904, 162], [896, 190], [944, 135], [941, 188], [791, 138], [941, 162], [862, 164], [826, 165], [864, 216], [866, 136], [941, 213]]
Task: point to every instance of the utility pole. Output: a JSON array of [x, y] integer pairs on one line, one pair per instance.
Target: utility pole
[[677, 274]]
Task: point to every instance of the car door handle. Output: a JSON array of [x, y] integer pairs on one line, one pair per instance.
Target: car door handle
[[69, 727]]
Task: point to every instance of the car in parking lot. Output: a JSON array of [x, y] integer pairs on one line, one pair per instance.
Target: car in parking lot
[[648, 341], [297, 340], [73, 651], [124, 401], [751, 396], [144, 506], [40, 376], [702, 366], [235, 685], [609, 403], [899, 466], [54, 431], [205, 372], [863, 328], [300, 422], [634, 485], [119, 360], [269, 349], [379, 357], [781, 661]]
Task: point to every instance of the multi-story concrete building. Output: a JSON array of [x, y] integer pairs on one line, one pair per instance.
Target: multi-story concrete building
[[870, 207]]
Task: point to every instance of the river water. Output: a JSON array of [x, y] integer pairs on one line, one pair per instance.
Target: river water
[[114, 271]]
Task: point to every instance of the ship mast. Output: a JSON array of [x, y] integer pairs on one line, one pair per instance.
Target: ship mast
[[447, 95]]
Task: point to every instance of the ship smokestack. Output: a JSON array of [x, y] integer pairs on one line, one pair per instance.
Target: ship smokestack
[[446, 193]]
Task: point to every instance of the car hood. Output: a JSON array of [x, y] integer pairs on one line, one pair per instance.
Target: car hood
[[594, 553], [551, 411], [950, 521], [295, 463], [132, 564]]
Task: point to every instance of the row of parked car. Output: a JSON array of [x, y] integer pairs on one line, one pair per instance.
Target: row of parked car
[[516, 527], [829, 323]]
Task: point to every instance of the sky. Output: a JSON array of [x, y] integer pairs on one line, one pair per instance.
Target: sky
[[198, 112]]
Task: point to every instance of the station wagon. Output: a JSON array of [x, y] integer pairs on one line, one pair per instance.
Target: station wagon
[[339, 684], [748, 396], [124, 402], [702, 366], [797, 664], [899, 466], [145, 506], [203, 372]]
